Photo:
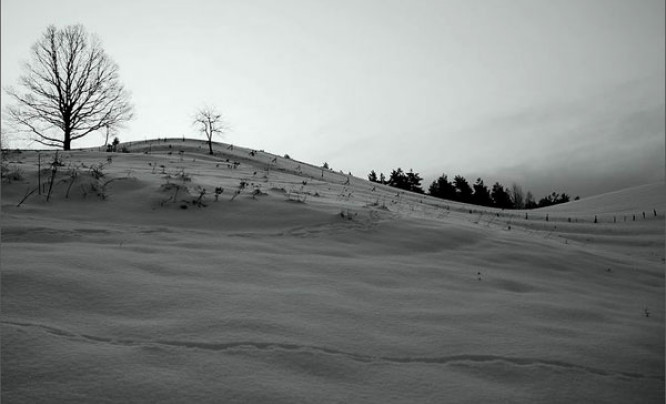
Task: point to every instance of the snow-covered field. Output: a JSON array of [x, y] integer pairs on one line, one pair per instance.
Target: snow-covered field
[[308, 285]]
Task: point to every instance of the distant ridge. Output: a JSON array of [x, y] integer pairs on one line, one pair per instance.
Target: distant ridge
[[635, 200], [630, 200]]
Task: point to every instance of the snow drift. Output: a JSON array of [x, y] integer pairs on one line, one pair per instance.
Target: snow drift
[[293, 283]]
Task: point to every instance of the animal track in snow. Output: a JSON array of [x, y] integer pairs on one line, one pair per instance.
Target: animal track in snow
[[359, 224], [276, 346]]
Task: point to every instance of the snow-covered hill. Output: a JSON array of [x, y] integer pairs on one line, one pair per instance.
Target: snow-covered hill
[[300, 284]]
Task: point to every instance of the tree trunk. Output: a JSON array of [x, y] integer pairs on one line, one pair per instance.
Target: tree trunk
[[210, 146], [67, 128]]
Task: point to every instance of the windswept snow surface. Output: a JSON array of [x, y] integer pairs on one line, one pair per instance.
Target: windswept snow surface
[[308, 285]]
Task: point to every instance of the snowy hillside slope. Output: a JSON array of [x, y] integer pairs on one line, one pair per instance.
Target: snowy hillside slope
[[300, 284], [635, 200]]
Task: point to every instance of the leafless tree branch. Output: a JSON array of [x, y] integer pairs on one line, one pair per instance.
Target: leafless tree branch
[[69, 89], [210, 123]]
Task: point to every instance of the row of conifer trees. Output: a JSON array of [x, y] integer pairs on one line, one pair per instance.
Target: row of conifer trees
[[460, 190]]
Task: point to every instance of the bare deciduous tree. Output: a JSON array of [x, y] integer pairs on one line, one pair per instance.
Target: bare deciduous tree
[[210, 123], [517, 196], [69, 89]]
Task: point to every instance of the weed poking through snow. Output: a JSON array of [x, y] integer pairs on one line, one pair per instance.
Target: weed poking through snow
[[348, 214], [199, 201], [240, 189], [11, 174], [218, 192], [97, 171], [28, 192]]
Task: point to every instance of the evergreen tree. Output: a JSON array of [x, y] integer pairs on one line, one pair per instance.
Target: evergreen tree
[[442, 188], [553, 199], [463, 190], [433, 189], [501, 197], [372, 176], [397, 178], [447, 189], [410, 181], [545, 201], [481, 195], [414, 182]]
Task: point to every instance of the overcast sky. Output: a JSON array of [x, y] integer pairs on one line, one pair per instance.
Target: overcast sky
[[563, 95]]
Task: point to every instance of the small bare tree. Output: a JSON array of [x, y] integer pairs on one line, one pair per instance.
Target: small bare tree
[[517, 196], [70, 88], [210, 123]]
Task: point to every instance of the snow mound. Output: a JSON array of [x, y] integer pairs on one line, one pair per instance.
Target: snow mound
[[170, 275], [644, 198]]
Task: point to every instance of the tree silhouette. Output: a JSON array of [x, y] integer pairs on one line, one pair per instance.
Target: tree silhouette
[[517, 197], [552, 199], [410, 181], [210, 124], [463, 190], [70, 88], [433, 189], [414, 182], [501, 197], [530, 203], [397, 178], [442, 188], [481, 194]]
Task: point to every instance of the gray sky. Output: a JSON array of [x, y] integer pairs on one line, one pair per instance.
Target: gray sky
[[563, 96]]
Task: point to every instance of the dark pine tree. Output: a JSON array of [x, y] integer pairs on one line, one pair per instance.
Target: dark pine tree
[[463, 190], [481, 195], [372, 176], [442, 188], [564, 198], [414, 182], [553, 199], [398, 179], [433, 189], [548, 200], [446, 189], [501, 198], [410, 181]]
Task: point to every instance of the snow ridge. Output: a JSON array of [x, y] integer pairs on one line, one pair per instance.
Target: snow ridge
[[273, 346]]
